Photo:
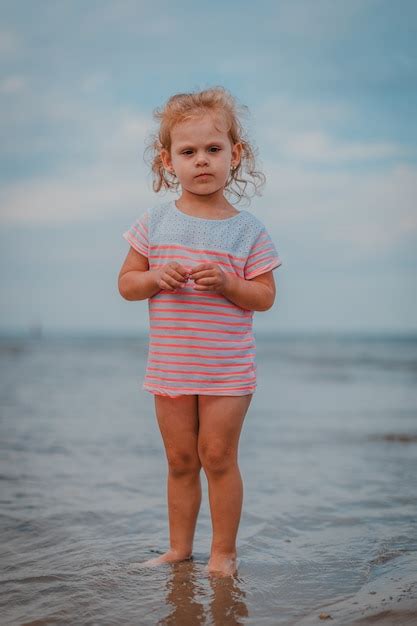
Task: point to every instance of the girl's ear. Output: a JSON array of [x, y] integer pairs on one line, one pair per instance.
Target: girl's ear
[[166, 158], [236, 153]]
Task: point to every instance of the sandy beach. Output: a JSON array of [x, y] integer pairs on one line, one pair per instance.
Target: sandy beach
[[389, 599]]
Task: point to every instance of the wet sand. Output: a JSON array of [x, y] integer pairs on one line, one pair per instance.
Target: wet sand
[[390, 599]]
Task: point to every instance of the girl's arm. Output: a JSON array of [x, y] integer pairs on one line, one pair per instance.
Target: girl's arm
[[138, 282], [256, 294]]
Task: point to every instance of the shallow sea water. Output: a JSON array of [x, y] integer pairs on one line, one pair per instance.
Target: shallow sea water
[[328, 455]]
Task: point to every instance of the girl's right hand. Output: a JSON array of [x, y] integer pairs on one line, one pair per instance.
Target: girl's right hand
[[172, 276]]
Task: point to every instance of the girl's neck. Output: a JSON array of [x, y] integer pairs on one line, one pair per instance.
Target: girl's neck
[[208, 206]]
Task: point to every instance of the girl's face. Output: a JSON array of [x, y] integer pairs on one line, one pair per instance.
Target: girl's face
[[201, 155]]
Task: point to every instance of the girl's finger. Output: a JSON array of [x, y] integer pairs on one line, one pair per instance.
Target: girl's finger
[[206, 281], [208, 276], [201, 274], [179, 269], [172, 283], [177, 285], [168, 274], [204, 288], [202, 266], [176, 275]]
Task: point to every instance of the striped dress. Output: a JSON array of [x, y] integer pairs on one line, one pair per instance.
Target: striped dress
[[200, 342]]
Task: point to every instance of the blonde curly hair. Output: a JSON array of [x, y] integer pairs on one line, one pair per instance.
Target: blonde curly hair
[[184, 106]]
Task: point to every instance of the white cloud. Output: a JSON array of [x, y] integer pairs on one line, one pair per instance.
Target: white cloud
[[316, 146], [111, 183], [97, 193], [362, 213], [367, 212], [311, 133], [283, 113], [314, 194]]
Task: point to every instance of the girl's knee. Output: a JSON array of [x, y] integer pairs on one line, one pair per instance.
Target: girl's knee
[[183, 463], [217, 459]]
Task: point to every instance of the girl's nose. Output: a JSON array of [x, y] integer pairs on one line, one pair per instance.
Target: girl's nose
[[201, 158]]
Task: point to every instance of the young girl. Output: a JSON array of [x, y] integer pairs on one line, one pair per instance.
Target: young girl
[[205, 267]]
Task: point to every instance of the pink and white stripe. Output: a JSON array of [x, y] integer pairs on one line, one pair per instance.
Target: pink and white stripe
[[200, 343]]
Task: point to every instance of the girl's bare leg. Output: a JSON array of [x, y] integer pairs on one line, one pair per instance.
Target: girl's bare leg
[[221, 419], [178, 423]]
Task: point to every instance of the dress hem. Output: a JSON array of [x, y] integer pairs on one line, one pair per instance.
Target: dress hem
[[159, 392]]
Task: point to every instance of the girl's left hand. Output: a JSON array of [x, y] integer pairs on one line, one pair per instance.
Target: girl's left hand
[[208, 277]]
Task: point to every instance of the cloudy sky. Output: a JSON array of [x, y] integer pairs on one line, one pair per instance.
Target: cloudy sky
[[331, 87]]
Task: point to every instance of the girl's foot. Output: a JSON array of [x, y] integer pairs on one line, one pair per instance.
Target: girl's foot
[[172, 556], [222, 564]]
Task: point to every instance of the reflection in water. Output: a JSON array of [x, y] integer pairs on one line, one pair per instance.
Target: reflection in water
[[183, 596], [187, 598], [227, 607]]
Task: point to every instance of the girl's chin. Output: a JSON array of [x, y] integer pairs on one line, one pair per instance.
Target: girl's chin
[[203, 189]]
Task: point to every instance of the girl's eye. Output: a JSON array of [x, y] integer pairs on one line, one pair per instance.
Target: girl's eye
[[211, 149]]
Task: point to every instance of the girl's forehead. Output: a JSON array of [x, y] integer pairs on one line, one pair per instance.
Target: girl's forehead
[[201, 126]]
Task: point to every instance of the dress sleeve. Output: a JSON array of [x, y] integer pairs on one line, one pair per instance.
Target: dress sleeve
[[137, 235], [262, 257]]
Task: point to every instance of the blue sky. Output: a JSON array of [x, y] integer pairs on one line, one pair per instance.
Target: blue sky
[[331, 88]]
